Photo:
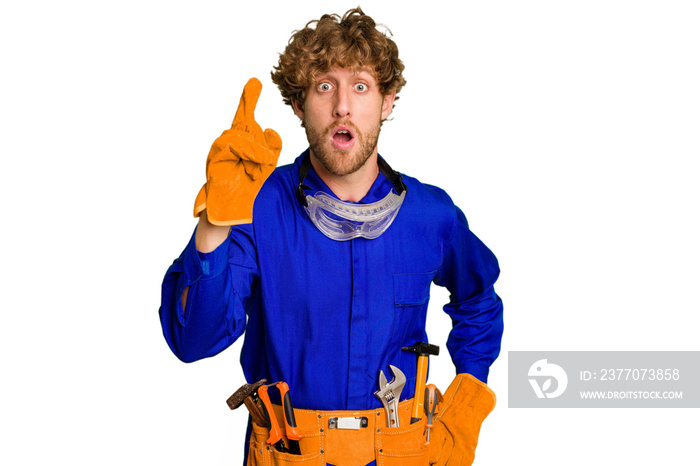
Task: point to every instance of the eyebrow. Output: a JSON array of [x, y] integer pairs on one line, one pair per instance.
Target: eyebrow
[[367, 73]]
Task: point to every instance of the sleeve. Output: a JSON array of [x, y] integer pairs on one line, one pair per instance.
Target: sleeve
[[469, 271], [220, 283]]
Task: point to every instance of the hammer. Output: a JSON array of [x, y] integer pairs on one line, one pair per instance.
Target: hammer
[[423, 350], [248, 394]]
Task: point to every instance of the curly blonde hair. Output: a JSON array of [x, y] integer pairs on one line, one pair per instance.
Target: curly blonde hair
[[351, 42]]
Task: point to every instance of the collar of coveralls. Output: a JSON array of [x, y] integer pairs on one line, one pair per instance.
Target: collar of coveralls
[[310, 181]]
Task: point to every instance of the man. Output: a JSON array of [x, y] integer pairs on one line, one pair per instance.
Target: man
[[329, 271]]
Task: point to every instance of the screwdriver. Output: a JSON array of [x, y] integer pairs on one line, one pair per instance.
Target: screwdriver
[[432, 398]]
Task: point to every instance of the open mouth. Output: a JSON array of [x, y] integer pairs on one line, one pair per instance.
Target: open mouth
[[343, 137]]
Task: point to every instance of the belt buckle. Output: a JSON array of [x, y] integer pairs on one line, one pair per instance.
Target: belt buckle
[[351, 423]]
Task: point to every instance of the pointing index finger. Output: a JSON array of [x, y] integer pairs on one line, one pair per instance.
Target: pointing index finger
[[249, 99]]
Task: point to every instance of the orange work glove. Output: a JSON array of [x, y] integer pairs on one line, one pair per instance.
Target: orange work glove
[[458, 420], [239, 162]]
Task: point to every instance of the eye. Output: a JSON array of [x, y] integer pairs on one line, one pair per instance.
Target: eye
[[361, 87], [324, 87]]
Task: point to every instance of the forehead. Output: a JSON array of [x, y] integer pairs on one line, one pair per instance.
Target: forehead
[[347, 73]]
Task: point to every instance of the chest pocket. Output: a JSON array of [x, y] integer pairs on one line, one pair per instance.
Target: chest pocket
[[412, 289], [411, 295]]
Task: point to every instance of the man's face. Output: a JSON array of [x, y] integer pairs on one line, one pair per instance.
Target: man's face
[[342, 115]]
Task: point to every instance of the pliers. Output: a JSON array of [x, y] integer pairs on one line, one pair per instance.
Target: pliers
[[293, 435]]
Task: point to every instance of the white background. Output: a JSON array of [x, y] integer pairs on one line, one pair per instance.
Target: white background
[[567, 131]]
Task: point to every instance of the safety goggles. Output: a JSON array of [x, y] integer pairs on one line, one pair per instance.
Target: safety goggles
[[342, 221]]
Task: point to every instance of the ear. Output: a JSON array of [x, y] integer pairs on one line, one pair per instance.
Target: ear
[[388, 105], [298, 109]]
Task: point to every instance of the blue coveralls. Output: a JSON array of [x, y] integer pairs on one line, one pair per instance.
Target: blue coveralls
[[332, 314]]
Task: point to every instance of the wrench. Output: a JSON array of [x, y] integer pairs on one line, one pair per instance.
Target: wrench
[[389, 393]]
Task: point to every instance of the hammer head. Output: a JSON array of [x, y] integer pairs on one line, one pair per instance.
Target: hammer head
[[423, 349], [244, 392]]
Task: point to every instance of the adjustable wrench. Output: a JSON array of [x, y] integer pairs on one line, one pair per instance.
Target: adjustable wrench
[[389, 393]]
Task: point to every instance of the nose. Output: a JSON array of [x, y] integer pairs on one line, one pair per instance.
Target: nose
[[341, 107]]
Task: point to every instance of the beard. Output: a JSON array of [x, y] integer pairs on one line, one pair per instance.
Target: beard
[[342, 162]]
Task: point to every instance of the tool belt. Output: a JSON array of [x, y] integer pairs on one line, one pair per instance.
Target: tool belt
[[356, 438], [346, 438]]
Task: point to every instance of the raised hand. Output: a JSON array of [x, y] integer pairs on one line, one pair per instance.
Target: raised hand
[[239, 162]]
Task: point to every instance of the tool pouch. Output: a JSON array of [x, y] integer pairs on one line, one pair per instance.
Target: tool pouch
[[458, 420], [346, 438]]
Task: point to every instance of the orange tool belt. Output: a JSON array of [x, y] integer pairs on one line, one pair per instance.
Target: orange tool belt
[[355, 438]]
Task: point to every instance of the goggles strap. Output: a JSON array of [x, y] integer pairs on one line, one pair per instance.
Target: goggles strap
[[394, 178]]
